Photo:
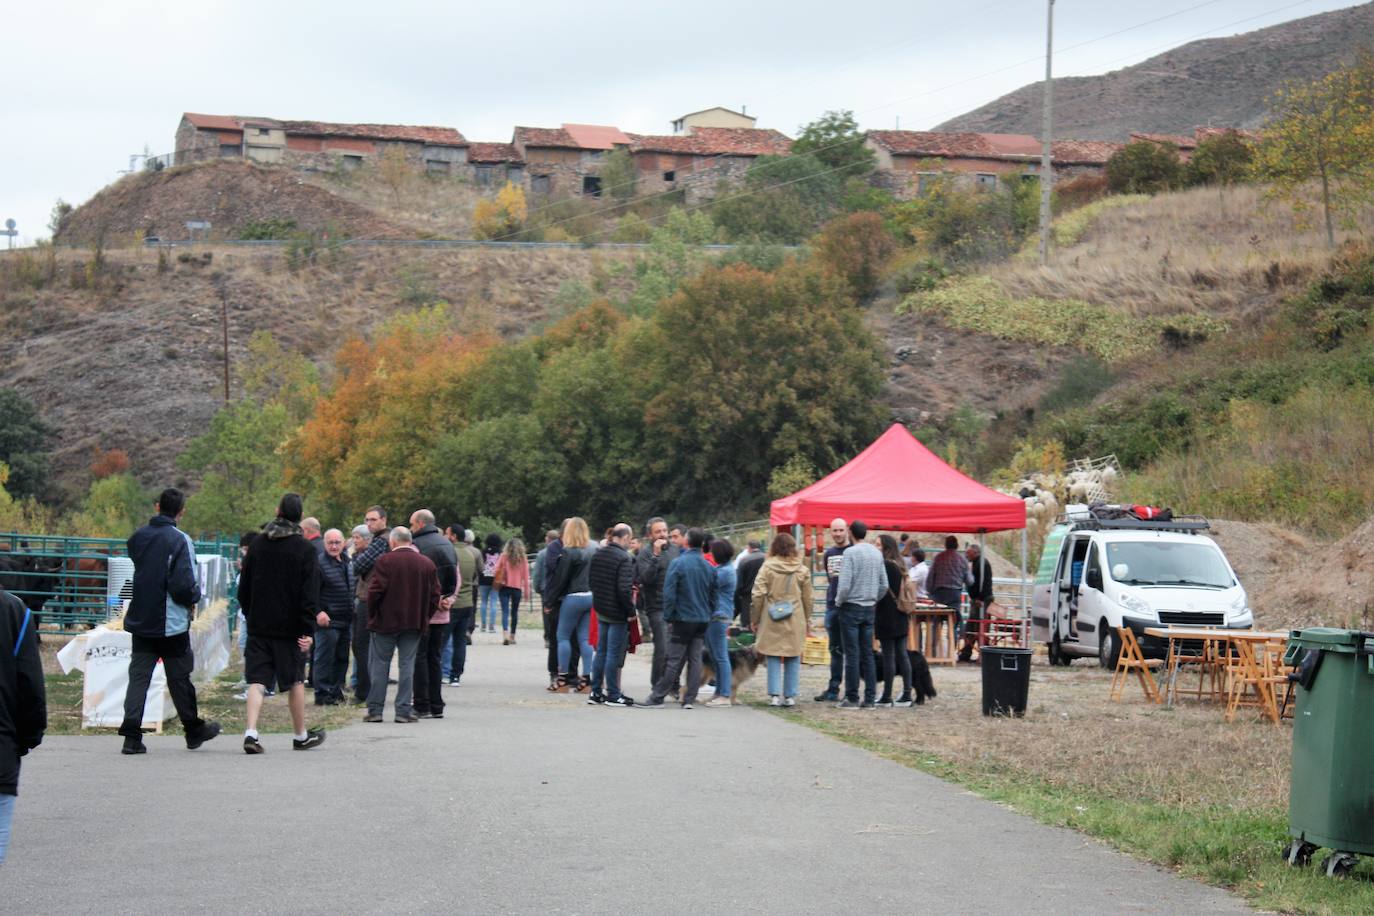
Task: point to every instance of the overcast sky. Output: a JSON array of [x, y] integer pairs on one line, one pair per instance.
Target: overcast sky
[[89, 83]]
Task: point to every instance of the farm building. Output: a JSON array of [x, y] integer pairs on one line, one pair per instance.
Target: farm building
[[909, 160], [1188, 145], [699, 161], [713, 117], [316, 144], [567, 160]]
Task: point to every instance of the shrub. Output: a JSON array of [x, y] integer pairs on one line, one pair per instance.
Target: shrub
[[1339, 304], [631, 228], [1221, 160], [268, 229], [107, 464], [23, 444], [1144, 167], [619, 175], [792, 475], [1077, 192], [502, 217], [856, 247]]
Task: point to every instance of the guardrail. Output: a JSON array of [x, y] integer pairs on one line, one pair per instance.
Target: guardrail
[[416, 243]]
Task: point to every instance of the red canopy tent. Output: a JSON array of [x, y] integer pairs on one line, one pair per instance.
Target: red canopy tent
[[897, 484]]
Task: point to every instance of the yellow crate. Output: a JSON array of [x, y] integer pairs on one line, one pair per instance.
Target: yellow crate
[[816, 651]]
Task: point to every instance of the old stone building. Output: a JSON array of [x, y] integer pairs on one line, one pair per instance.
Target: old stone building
[[566, 161], [698, 163], [1186, 146], [316, 144], [908, 161]]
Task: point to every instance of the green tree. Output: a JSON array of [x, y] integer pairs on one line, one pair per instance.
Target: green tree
[[113, 507], [834, 139], [1224, 159], [619, 175], [796, 473], [856, 247], [23, 444], [1144, 167], [275, 373], [57, 220], [747, 369], [784, 200], [240, 462], [675, 253], [1323, 132], [509, 469]]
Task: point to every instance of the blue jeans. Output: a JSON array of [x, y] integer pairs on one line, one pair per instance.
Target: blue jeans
[[718, 644], [856, 626], [454, 659], [613, 640], [574, 616], [6, 815], [510, 609], [836, 637], [784, 673], [486, 598]]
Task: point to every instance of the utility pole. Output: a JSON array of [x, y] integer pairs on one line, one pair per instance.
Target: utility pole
[[224, 326], [1047, 139]]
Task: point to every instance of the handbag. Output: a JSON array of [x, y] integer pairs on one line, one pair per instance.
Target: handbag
[[783, 608], [498, 578], [906, 600]]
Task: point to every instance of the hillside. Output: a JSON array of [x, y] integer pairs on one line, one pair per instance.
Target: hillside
[[230, 193], [1217, 81]]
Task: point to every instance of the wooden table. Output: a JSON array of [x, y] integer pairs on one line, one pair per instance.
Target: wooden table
[[1214, 639], [932, 633]]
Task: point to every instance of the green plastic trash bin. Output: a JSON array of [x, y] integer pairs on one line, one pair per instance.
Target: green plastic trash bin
[[1331, 796]]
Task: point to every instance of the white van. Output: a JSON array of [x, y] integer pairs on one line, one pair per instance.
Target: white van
[[1098, 574]]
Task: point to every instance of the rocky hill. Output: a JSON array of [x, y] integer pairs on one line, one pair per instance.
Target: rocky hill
[[1217, 81]]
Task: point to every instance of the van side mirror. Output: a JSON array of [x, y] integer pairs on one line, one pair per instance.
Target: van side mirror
[[1094, 579]]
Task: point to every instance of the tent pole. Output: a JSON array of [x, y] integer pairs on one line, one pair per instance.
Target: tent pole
[[1025, 601]]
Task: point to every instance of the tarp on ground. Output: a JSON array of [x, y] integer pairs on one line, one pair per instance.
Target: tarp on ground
[[897, 484]]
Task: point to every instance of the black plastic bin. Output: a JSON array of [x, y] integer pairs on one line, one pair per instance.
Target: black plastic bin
[[1006, 681]]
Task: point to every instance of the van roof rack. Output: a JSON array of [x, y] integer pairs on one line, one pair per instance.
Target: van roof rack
[[1183, 524]]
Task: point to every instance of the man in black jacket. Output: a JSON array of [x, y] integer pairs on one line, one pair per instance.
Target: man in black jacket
[[375, 519], [165, 592], [429, 681], [23, 704], [612, 578], [279, 590], [333, 620], [979, 595], [746, 572], [662, 548]]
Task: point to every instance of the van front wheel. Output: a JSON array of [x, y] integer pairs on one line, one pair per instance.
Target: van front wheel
[[1108, 647]]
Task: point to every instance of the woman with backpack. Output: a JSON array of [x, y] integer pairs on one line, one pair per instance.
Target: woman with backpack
[[571, 593], [890, 625], [511, 579], [780, 616], [486, 582]]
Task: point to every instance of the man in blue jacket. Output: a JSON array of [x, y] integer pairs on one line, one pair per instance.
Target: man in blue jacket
[[687, 611], [165, 591]]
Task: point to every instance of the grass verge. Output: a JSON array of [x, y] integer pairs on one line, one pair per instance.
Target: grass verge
[[1233, 847]]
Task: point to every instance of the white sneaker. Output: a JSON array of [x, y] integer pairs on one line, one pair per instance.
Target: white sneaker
[[718, 703], [790, 701], [775, 700]]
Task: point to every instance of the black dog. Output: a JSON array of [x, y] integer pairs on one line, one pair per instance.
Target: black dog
[[921, 682]]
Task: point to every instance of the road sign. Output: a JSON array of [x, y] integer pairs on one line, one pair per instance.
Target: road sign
[[10, 224], [194, 224]]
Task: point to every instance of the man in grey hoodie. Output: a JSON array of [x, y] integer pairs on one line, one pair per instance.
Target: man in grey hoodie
[[862, 582]]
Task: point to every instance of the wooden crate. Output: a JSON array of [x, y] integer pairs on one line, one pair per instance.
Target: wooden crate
[[816, 651]]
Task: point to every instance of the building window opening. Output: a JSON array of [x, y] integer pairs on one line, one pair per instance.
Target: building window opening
[[591, 186]]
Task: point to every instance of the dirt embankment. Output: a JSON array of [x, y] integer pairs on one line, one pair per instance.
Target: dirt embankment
[[229, 194]]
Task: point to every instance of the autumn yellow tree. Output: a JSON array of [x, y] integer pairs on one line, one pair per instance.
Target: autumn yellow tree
[[1323, 132], [501, 217], [396, 170]]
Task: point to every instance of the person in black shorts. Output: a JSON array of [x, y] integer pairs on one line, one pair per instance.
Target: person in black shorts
[[279, 589]]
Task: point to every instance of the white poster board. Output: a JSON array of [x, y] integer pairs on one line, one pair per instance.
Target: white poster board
[[103, 654]]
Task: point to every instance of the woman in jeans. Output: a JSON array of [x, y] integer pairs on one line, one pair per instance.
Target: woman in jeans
[[513, 574], [486, 592], [571, 593], [722, 612], [890, 625], [783, 577]]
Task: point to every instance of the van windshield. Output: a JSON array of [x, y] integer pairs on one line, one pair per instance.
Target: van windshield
[[1165, 563]]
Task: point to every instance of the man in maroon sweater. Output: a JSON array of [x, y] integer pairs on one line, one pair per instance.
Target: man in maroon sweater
[[402, 594]]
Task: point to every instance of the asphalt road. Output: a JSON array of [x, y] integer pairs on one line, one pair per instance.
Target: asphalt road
[[521, 801]]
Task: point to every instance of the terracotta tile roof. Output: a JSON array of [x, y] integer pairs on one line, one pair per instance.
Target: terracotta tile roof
[[213, 122], [1183, 143], [1083, 152], [435, 136], [716, 141], [948, 145], [492, 152], [545, 138], [1013, 144], [596, 136]]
